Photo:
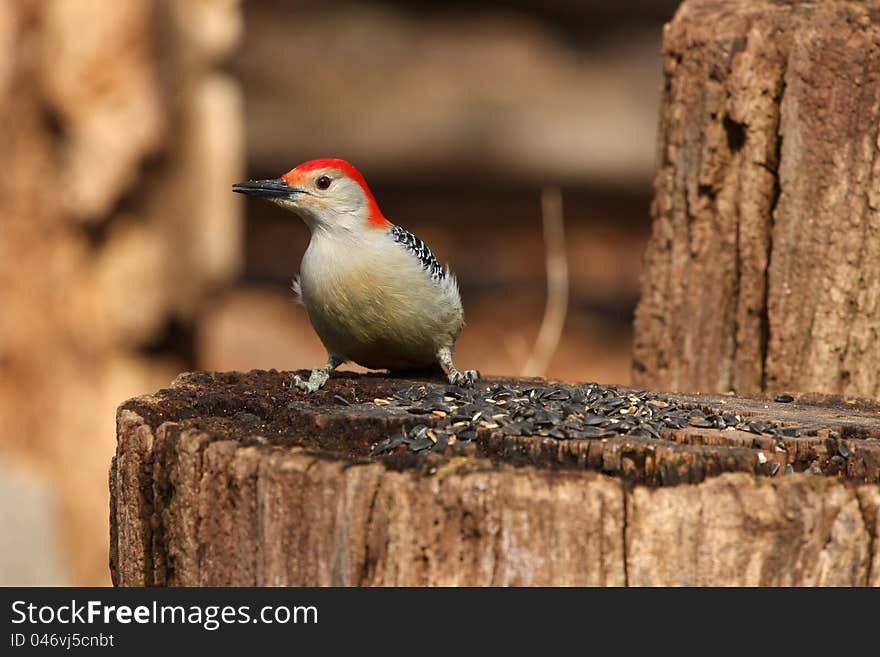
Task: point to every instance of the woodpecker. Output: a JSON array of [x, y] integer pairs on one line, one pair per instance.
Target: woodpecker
[[374, 292]]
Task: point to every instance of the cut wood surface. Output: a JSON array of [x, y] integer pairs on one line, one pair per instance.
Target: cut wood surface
[[763, 271], [234, 479]]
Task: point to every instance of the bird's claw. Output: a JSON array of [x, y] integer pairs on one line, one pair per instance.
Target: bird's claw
[[316, 381], [465, 379]]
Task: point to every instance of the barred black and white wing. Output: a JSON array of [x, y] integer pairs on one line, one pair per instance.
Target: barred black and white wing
[[296, 286], [419, 250]]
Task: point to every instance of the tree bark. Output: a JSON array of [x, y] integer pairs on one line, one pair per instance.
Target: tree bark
[[234, 479], [763, 271]]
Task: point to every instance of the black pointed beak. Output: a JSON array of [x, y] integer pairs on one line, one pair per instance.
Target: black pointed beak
[[274, 188]]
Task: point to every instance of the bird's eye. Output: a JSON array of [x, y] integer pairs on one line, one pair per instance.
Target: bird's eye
[[323, 182]]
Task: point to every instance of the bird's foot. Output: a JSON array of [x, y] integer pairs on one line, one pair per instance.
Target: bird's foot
[[316, 381], [456, 378], [465, 379], [319, 376]]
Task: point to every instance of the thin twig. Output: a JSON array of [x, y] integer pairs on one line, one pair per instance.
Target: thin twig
[[557, 284]]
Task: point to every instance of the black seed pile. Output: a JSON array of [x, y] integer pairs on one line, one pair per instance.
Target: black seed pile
[[563, 412]]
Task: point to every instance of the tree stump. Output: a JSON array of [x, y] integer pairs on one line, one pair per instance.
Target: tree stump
[[234, 479], [763, 271]]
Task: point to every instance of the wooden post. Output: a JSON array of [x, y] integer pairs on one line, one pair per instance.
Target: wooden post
[[763, 271], [234, 479]]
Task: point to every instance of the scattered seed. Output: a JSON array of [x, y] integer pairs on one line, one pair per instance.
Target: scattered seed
[[558, 412], [418, 410], [441, 442], [784, 399], [421, 444], [596, 432]]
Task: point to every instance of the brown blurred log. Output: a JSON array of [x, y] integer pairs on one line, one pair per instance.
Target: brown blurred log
[[763, 272], [233, 479], [108, 111]]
